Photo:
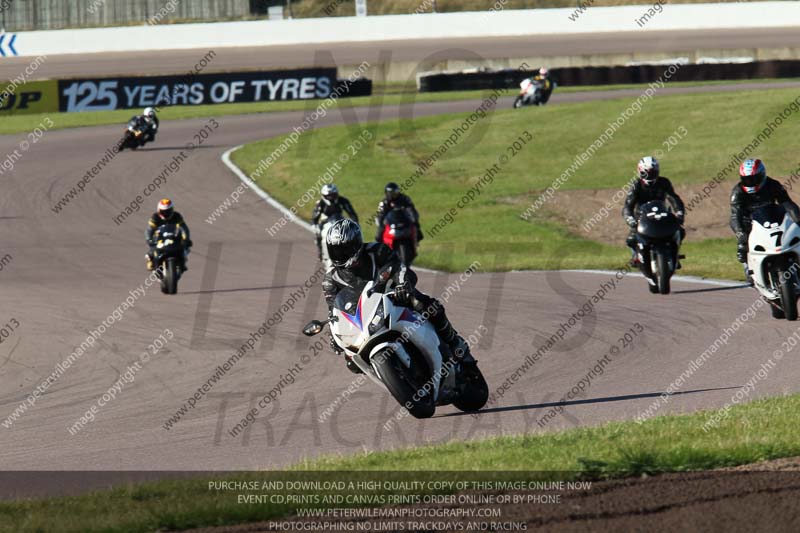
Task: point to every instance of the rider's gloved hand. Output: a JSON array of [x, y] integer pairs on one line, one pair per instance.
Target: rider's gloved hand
[[404, 292], [335, 347], [630, 221]]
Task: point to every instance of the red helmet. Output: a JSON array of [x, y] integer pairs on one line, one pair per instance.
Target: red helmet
[[753, 174], [165, 209]]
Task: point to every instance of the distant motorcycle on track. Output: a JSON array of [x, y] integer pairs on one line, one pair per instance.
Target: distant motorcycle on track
[[169, 256], [134, 136], [531, 93], [400, 234]]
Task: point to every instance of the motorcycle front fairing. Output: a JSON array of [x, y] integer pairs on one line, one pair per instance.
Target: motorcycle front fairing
[[657, 227], [366, 324], [773, 243], [169, 242]]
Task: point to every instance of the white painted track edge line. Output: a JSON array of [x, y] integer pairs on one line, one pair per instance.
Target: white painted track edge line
[[226, 159]]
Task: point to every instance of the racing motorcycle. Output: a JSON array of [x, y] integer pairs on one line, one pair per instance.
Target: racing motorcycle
[[396, 348], [400, 234], [658, 237], [168, 256], [773, 259], [134, 136], [530, 93], [325, 224]]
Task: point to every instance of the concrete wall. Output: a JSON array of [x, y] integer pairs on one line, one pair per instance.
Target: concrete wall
[[406, 71], [20, 15], [405, 27]]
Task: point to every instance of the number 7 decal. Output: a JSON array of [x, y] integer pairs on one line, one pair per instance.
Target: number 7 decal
[[777, 235]]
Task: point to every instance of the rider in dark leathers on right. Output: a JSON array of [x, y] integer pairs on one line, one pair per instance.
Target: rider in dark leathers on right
[[649, 187], [755, 190], [353, 260]]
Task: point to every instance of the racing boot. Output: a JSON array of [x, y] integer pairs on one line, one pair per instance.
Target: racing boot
[[749, 275], [458, 346], [149, 262], [634, 262]]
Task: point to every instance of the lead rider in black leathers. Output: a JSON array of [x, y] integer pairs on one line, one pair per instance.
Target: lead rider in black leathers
[[649, 187], [353, 260], [755, 190]]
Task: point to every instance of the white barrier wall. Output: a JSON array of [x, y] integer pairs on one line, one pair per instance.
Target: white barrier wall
[[405, 27]]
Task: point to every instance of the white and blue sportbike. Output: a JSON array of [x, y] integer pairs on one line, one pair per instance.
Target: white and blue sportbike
[[773, 259], [397, 348]]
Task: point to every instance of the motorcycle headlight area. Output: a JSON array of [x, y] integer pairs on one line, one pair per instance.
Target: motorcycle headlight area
[[377, 321]]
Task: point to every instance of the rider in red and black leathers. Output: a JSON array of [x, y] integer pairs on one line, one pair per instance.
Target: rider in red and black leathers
[[755, 190], [165, 214], [394, 199], [353, 261], [649, 187]]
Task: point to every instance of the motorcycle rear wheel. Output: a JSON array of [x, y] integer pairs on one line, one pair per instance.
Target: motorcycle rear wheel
[[476, 392]]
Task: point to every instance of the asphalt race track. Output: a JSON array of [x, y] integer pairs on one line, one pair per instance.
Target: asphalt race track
[[254, 58], [70, 270]]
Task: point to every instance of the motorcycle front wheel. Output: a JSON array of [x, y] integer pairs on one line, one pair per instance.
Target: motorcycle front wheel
[[169, 276], [788, 296], [662, 274], [403, 386]]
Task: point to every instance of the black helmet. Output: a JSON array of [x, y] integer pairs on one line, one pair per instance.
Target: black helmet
[[344, 243], [392, 191], [329, 193]]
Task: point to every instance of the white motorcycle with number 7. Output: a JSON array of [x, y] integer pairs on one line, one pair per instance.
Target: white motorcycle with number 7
[[397, 348], [773, 259]]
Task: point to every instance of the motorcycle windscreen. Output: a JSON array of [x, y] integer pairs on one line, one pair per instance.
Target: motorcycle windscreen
[[347, 300], [169, 231], [769, 215], [400, 221], [656, 221]]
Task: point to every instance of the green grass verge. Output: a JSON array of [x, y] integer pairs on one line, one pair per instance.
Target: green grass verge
[[490, 228], [392, 93], [761, 430]]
